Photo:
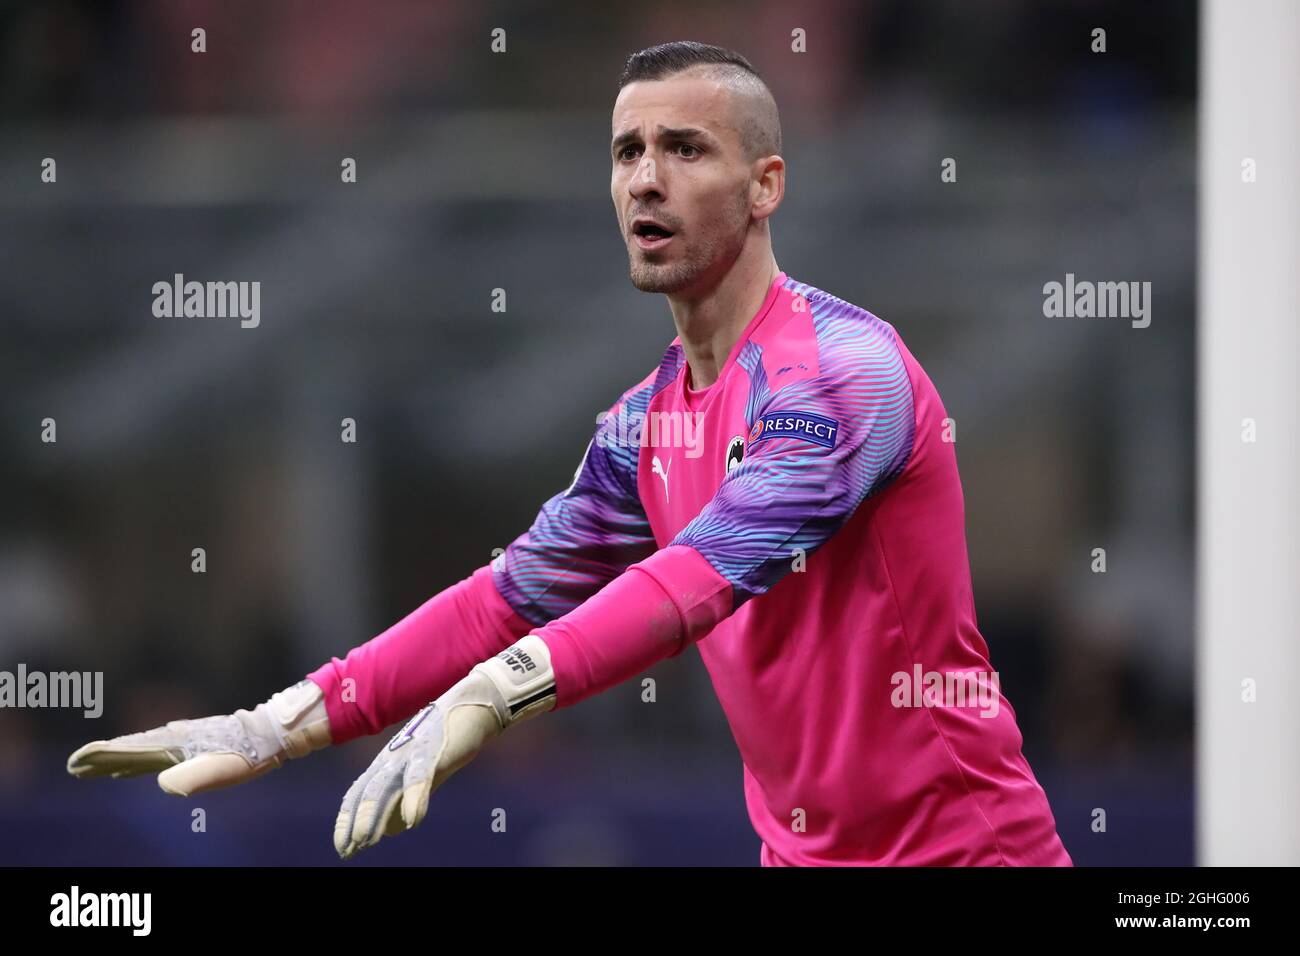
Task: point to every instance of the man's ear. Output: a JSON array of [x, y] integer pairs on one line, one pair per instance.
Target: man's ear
[[769, 176]]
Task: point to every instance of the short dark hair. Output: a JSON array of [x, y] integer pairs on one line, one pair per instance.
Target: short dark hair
[[666, 59], [760, 126]]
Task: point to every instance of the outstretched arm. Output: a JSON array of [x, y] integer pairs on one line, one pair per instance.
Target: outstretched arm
[[391, 676], [790, 491], [581, 539]]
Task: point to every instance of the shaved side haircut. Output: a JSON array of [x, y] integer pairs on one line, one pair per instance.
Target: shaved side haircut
[[757, 119]]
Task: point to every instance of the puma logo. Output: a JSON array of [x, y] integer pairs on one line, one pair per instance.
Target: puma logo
[[657, 468]]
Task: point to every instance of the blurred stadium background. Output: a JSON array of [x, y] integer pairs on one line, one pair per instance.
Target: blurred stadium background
[[480, 171]]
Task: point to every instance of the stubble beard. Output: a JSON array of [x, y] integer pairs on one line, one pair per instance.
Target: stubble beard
[[718, 250]]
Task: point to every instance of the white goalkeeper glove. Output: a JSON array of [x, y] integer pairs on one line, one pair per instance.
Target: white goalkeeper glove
[[393, 794], [213, 752]]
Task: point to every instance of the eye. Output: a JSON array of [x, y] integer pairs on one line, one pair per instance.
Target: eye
[[623, 153], [695, 151]]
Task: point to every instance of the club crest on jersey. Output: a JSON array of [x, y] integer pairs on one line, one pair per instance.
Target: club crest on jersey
[[803, 425], [735, 452]]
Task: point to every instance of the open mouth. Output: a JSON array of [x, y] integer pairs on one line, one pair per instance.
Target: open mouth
[[651, 235]]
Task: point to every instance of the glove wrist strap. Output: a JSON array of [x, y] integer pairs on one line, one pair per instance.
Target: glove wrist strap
[[299, 719], [523, 675]]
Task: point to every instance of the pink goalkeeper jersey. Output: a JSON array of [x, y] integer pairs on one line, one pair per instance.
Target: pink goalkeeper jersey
[[814, 481], [801, 523]]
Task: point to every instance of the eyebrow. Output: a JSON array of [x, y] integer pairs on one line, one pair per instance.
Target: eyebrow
[[665, 132]]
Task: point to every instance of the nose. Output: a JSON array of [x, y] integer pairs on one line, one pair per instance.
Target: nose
[[645, 183]]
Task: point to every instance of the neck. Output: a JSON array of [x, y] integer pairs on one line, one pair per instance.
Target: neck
[[710, 322]]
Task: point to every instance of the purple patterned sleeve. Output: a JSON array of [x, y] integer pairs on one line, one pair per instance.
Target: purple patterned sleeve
[[816, 449], [583, 537]]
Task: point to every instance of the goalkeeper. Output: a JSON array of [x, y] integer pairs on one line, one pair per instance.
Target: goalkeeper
[[807, 540]]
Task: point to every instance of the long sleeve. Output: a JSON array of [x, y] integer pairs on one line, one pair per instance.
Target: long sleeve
[[581, 539], [586, 535], [390, 677], [652, 611]]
